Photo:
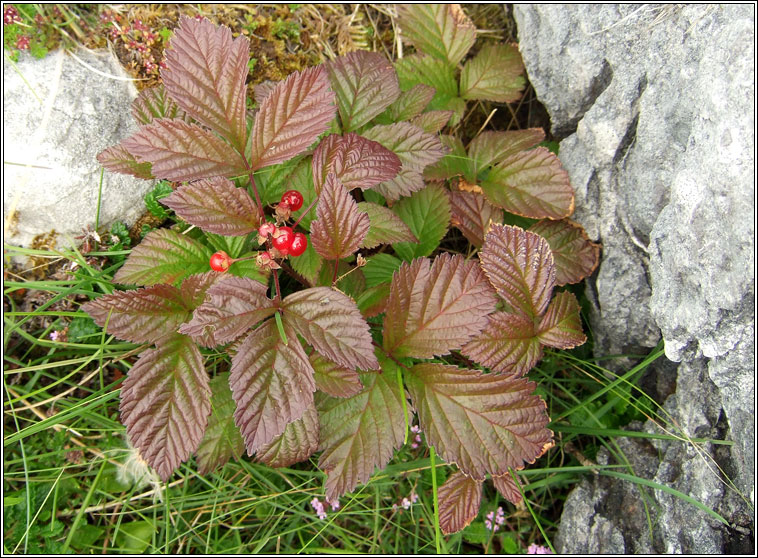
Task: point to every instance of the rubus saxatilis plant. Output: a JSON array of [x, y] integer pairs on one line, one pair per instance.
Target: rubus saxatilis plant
[[443, 35], [328, 367]]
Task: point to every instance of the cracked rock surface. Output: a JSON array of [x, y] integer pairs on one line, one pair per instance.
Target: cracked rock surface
[[58, 114], [654, 107]]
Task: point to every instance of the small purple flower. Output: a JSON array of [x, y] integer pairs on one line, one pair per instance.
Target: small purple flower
[[10, 15], [334, 504], [495, 520], [537, 549], [22, 43], [318, 508]]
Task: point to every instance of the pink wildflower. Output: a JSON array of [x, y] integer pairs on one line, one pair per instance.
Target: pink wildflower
[[318, 507], [495, 520], [10, 15], [334, 504], [22, 43], [537, 549]]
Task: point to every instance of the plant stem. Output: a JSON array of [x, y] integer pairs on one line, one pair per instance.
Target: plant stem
[[304, 213], [255, 189], [437, 535], [336, 267], [276, 284]]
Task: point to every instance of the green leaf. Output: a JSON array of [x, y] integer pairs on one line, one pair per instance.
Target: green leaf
[[415, 148], [531, 184], [427, 214], [165, 403], [575, 255], [455, 163], [432, 121], [134, 536], [494, 74], [359, 433], [459, 500], [161, 190], [373, 301], [508, 344], [301, 179], [441, 30], [379, 269], [489, 148], [163, 256], [308, 264], [222, 440], [297, 443], [272, 384], [410, 103], [418, 68], [482, 422], [385, 226], [434, 309], [520, 266], [561, 326]]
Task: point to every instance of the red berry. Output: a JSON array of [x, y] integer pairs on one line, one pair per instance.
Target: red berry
[[293, 198], [220, 261], [282, 239], [299, 244]]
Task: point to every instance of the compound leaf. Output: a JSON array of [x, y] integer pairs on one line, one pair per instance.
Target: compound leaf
[[222, 440], [356, 161], [181, 151], [484, 423], [489, 148], [434, 309], [333, 379], [508, 487], [427, 214], [215, 205], [153, 103], [385, 226], [292, 117], [205, 74], [508, 344], [410, 103], [140, 316], [459, 499], [441, 30], [233, 306], [575, 255], [117, 159], [404, 184], [531, 184], [340, 227], [432, 121], [455, 163], [331, 322], [272, 384], [472, 214], [195, 287], [379, 269], [427, 70], [520, 266], [415, 148], [561, 326], [297, 443], [365, 85], [163, 256], [165, 403], [359, 433], [496, 73]]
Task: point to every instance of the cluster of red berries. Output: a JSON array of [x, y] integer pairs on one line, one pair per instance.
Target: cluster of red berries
[[284, 240]]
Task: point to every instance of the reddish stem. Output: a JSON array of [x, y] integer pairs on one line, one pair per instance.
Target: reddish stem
[[255, 189], [276, 284], [336, 267], [304, 213]]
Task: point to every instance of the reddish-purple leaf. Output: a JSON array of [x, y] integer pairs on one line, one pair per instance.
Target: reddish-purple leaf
[[340, 227], [356, 161], [489, 148], [496, 73], [411, 103], [365, 84], [263, 90], [333, 379], [297, 443], [195, 287], [385, 226], [432, 121], [222, 440], [415, 148], [181, 151], [484, 423], [575, 255], [442, 30], [473, 215], [165, 403], [291, 117], [205, 74], [532, 184], [272, 384], [561, 326], [117, 159], [331, 322], [215, 205], [508, 344], [163, 256], [458, 499], [508, 487], [359, 433], [434, 309], [404, 184], [520, 266], [140, 316], [153, 103], [234, 305]]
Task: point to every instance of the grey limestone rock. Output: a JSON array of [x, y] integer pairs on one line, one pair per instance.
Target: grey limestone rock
[[654, 105], [58, 114]]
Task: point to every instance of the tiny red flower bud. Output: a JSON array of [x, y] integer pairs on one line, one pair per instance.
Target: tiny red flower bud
[[299, 244], [220, 261]]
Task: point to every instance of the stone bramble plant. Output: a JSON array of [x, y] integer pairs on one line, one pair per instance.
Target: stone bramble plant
[[331, 365]]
